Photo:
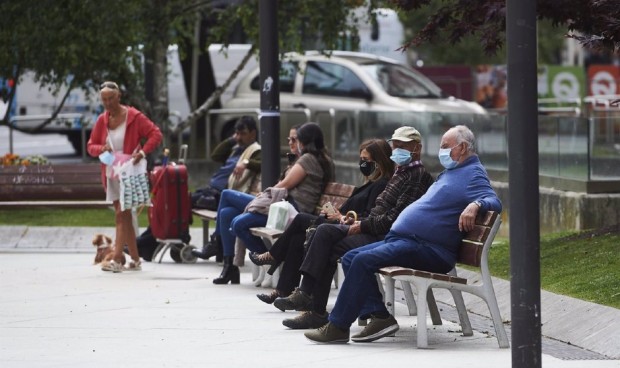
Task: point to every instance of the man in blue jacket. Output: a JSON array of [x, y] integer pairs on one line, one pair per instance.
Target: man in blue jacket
[[425, 236]]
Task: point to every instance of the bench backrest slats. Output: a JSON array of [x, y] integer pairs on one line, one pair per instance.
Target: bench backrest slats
[[336, 193], [470, 251], [79, 181]]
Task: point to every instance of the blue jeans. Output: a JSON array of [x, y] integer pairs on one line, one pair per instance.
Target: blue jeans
[[232, 222], [359, 295], [232, 203]]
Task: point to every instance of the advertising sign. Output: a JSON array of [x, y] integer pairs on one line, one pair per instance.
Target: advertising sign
[[562, 82], [604, 80]]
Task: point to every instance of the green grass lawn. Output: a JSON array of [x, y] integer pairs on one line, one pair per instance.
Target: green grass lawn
[[68, 217], [583, 265]]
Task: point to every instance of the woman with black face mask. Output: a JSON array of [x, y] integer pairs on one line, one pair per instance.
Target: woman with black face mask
[[377, 168]]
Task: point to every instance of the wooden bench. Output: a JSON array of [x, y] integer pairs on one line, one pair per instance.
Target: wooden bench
[[336, 193], [60, 186], [474, 252], [206, 216]]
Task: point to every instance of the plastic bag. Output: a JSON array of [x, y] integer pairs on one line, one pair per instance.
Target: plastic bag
[[134, 184], [281, 214]]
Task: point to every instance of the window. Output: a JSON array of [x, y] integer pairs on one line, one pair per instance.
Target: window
[[399, 81], [332, 80], [288, 71]]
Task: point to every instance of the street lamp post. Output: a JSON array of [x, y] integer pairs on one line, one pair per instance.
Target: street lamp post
[[523, 183], [270, 92]]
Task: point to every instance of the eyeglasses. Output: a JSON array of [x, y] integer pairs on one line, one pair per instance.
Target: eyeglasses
[[291, 139], [110, 85]]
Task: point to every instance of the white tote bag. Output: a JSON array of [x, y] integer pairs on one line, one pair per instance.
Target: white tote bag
[[134, 184], [281, 214]]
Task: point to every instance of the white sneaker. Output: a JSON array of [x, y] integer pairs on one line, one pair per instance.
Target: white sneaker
[[112, 266], [134, 266]]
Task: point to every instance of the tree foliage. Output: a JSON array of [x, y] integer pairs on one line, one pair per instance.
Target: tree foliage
[[595, 23], [74, 42], [83, 42]]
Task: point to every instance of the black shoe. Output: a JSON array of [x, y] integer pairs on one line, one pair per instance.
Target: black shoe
[[212, 248], [269, 298], [230, 273], [298, 300], [255, 257], [307, 320], [206, 252]]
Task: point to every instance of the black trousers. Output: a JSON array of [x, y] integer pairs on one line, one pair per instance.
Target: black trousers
[[329, 244], [289, 248]]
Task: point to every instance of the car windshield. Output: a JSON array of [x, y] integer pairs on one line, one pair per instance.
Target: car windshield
[[399, 81]]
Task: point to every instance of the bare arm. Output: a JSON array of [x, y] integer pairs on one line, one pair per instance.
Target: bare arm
[[293, 177]]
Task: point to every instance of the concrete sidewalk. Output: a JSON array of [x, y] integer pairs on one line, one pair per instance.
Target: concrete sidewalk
[[57, 309]]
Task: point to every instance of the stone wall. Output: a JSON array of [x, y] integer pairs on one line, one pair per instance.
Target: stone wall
[[565, 210]]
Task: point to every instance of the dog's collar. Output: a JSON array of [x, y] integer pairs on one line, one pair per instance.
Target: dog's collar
[[103, 246]]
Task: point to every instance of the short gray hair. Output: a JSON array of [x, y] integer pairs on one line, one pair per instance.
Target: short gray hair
[[464, 134]]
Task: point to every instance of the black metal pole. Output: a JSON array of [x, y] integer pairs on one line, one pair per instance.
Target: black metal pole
[[270, 92], [523, 183]]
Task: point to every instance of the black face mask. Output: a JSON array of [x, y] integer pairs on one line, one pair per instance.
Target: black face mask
[[367, 167]]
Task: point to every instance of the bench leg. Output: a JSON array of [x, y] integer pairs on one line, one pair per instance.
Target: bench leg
[[389, 294], [489, 293], [258, 274], [205, 232], [339, 278], [268, 279], [462, 312], [409, 298], [276, 276], [422, 288], [432, 308]]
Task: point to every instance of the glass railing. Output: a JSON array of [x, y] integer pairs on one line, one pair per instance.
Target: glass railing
[[574, 148]]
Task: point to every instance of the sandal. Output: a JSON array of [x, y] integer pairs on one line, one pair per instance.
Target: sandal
[[262, 259], [134, 266], [112, 266]]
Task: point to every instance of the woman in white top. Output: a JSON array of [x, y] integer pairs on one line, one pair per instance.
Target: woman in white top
[[121, 129]]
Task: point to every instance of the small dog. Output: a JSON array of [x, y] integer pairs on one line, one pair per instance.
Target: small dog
[[105, 249]]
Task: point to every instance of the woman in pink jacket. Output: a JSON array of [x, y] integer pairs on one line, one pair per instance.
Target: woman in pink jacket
[[121, 129]]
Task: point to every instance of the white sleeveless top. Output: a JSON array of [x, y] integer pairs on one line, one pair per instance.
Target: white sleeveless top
[[116, 137]]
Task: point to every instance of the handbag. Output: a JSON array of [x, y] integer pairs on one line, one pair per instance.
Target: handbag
[[281, 214]]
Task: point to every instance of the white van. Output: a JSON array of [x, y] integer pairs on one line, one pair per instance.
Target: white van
[[34, 104]]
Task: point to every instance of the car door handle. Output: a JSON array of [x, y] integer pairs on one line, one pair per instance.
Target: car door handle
[[299, 105]]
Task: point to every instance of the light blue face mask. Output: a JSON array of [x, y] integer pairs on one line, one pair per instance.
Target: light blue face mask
[[445, 159], [400, 156], [106, 158]]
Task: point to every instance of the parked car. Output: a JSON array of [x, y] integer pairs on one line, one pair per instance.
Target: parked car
[[356, 85]]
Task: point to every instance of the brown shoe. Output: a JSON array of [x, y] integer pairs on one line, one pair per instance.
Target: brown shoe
[[377, 329], [328, 334], [305, 321], [298, 300]]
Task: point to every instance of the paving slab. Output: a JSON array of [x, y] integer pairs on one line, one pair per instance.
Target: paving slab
[[58, 310]]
